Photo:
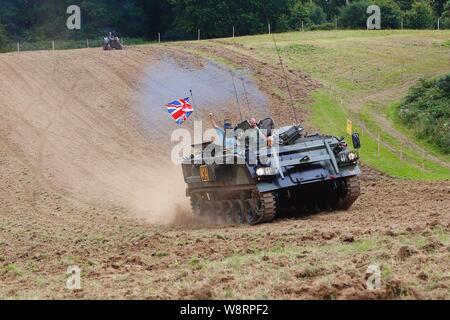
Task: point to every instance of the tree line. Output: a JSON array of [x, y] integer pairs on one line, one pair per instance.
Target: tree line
[[30, 20]]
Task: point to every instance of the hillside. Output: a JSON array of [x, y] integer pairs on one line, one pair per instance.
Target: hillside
[[362, 74], [86, 179]]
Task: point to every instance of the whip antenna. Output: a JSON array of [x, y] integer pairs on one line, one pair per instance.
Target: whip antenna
[[192, 97], [246, 97], [286, 79], [235, 93]]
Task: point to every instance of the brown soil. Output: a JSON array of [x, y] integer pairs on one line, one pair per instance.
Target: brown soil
[[81, 184]]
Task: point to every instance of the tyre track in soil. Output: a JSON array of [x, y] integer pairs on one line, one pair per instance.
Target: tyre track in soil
[[51, 216]]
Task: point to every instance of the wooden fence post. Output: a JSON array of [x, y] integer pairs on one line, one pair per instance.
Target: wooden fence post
[[379, 145], [423, 161], [401, 151]]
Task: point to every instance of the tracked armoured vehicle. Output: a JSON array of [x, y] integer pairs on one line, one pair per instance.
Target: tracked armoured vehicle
[[291, 173]]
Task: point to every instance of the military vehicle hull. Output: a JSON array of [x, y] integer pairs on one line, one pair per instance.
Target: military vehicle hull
[[307, 175]]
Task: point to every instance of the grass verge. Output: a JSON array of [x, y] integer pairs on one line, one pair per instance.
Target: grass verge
[[330, 117], [365, 68]]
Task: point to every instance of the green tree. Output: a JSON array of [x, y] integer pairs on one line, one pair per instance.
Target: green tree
[[354, 15], [3, 38], [445, 18], [283, 23], [298, 13], [438, 6], [391, 14], [405, 5], [317, 14], [331, 8], [27, 20], [420, 16]]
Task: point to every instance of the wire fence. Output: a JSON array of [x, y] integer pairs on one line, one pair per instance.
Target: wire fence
[[65, 44], [404, 150], [159, 37]]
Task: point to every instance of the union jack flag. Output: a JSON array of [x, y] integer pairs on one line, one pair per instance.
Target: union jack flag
[[180, 110]]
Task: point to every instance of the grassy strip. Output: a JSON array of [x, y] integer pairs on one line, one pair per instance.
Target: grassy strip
[[410, 155], [390, 112], [328, 115], [317, 265]]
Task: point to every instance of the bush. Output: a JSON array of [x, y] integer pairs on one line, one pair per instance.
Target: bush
[[420, 16], [444, 85], [426, 110], [323, 26]]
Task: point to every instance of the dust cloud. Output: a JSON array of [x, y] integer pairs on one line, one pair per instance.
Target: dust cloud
[[105, 141], [154, 193]]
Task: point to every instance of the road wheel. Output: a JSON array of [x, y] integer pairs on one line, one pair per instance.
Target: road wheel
[[196, 206], [239, 211], [351, 191], [261, 208], [227, 213]]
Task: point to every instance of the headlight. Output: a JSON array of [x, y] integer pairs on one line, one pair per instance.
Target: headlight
[[343, 158], [260, 171], [347, 158], [266, 171], [352, 156]]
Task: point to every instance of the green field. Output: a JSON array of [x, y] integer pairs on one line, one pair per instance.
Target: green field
[[367, 71]]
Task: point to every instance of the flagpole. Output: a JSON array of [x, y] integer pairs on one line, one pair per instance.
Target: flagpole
[[237, 99]]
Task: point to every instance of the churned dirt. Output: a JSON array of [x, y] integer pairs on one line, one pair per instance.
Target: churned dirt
[[84, 182]]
